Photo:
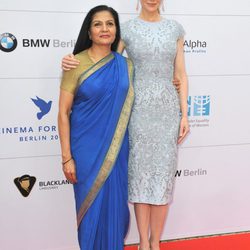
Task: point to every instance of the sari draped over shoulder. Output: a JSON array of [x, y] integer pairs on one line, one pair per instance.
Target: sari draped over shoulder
[[103, 98]]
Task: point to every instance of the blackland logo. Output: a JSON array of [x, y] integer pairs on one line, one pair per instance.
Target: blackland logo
[[52, 184], [199, 108], [195, 46], [40, 129], [25, 184], [8, 42]]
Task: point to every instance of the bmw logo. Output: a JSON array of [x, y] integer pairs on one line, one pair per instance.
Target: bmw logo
[[8, 42]]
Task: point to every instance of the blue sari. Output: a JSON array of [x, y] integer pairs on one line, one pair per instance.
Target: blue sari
[[99, 145]]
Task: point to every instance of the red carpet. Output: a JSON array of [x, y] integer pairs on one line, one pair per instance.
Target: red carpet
[[240, 241]]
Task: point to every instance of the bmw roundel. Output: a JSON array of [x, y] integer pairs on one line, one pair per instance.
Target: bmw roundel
[[8, 42]]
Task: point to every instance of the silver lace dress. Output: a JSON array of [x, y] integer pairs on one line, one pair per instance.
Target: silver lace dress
[[154, 123]]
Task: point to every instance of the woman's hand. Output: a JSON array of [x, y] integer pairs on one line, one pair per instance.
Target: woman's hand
[[69, 170], [69, 62], [177, 84], [184, 129]]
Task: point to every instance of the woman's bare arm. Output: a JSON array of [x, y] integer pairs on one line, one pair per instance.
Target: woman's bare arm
[[180, 73], [65, 103]]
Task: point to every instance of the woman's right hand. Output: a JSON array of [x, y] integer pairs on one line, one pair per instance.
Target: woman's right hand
[[69, 170], [69, 62]]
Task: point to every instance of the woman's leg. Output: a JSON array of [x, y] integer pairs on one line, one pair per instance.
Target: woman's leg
[[142, 214], [157, 220]]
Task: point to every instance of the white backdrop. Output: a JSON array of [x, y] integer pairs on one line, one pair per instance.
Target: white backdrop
[[212, 183]]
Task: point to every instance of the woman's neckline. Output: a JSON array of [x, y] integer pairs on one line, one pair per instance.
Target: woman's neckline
[[95, 61], [150, 22]]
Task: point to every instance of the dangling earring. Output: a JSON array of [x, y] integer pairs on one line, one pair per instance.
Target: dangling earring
[[162, 6], [89, 35], [138, 5]]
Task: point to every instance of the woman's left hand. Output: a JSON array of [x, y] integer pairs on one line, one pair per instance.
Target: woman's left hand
[[69, 169], [184, 129]]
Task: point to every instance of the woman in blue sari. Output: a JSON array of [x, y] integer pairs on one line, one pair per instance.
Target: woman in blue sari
[[94, 110]]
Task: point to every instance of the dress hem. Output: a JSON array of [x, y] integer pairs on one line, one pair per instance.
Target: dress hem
[[150, 202]]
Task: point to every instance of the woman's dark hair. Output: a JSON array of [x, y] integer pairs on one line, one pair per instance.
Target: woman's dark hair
[[83, 42]]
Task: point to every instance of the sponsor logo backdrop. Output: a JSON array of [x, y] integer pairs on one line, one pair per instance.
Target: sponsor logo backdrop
[[212, 187]]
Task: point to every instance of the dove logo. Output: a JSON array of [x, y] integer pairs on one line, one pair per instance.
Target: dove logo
[[44, 107]]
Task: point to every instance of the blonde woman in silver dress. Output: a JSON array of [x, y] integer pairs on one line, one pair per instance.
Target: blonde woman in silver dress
[[159, 117]]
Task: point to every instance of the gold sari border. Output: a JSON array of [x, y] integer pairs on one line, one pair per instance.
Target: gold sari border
[[111, 155], [94, 68]]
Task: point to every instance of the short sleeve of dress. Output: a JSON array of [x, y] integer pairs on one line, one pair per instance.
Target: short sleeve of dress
[[180, 31], [124, 32], [69, 81]]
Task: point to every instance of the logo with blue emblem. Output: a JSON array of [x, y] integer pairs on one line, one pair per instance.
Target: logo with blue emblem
[[199, 110], [44, 107], [8, 42], [199, 105]]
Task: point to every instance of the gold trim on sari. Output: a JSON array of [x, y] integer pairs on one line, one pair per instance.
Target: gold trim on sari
[[94, 68]]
